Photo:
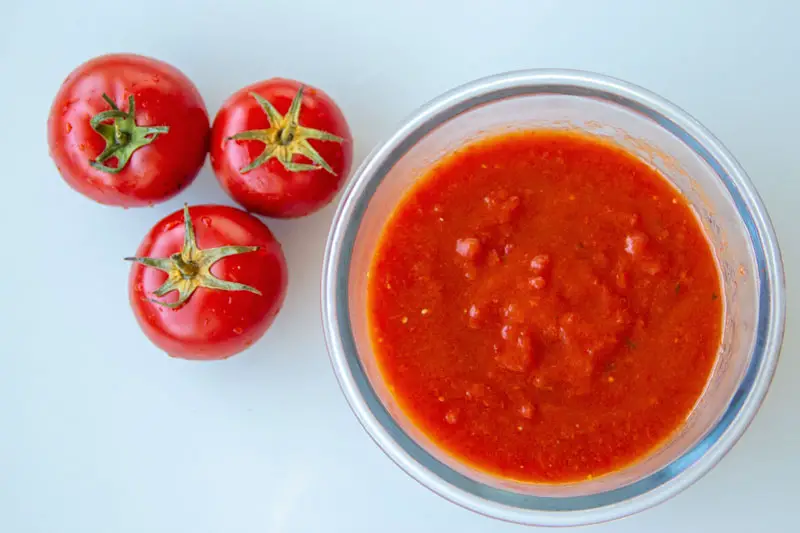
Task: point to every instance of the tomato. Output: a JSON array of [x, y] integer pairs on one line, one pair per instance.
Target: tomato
[[281, 149], [128, 130], [206, 283]]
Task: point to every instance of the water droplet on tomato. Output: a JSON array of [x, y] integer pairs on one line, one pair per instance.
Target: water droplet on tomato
[[171, 225], [139, 287], [238, 331], [206, 221], [230, 300], [205, 322], [68, 127], [156, 78]]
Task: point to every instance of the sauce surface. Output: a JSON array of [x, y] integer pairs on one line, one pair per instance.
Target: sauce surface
[[544, 306]]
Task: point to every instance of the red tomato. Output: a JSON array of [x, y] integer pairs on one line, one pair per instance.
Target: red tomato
[[128, 130], [281, 149], [207, 283]]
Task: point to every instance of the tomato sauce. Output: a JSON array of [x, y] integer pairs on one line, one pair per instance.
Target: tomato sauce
[[545, 306]]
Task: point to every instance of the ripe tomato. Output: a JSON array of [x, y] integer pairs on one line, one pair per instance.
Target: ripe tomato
[[207, 283], [128, 130], [281, 149]]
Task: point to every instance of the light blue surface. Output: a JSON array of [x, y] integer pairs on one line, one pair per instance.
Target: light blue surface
[[99, 432]]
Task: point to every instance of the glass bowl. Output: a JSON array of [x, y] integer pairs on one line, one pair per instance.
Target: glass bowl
[[660, 134]]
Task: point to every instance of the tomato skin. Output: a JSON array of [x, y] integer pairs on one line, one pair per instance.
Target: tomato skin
[[163, 96], [270, 189], [212, 324]]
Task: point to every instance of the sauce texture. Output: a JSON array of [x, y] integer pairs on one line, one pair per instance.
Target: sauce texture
[[544, 306]]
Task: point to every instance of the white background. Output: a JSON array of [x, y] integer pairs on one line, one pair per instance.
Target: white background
[[102, 433]]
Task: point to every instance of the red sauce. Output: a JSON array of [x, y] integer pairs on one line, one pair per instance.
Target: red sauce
[[545, 307]]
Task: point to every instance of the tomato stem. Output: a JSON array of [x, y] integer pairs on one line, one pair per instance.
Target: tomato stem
[[123, 136], [191, 267], [286, 138]]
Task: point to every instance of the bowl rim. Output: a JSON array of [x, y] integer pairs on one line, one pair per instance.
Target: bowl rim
[[571, 510]]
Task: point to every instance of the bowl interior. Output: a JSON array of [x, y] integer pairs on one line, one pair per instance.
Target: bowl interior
[[696, 179]]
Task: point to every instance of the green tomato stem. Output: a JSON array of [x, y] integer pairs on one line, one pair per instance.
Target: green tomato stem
[[123, 136], [191, 267]]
